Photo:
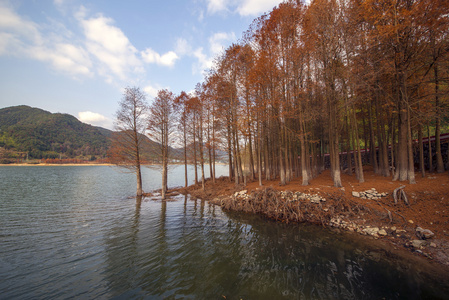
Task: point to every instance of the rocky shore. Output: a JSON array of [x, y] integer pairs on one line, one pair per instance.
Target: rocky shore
[[412, 217]]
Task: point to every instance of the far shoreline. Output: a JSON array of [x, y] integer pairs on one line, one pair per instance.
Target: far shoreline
[[51, 165]]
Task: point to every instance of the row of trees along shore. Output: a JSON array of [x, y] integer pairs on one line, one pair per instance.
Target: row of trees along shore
[[323, 78]]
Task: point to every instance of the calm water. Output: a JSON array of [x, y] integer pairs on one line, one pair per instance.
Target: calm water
[[75, 232]]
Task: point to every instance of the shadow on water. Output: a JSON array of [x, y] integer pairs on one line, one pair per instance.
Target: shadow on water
[[191, 249]]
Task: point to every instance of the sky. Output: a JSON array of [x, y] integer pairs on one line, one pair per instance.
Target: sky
[[76, 57]]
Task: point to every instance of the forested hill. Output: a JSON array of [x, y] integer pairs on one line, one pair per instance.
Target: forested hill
[[42, 134]]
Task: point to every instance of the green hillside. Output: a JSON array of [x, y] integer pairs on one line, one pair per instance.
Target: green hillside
[[35, 133], [42, 134]]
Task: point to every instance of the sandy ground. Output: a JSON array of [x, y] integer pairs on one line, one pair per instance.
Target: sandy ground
[[428, 207]]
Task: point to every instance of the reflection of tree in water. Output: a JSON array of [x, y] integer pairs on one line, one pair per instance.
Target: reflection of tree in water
[[278, 261], [122, 252], [305, 262], [191, 249]]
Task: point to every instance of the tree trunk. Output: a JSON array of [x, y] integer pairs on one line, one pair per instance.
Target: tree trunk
[[411, 165], [430, 150], [139, 181], [372, 144], [439, 156], [421, 151], [195, 161], [360, 176], [185, 157]]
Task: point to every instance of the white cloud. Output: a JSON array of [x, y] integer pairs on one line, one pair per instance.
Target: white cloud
[[204, 62], [243, 7], [217, 43], [218, 40], [256, 7], [65, 57], [23, 37], [214, 6], [13, 23], [95, 119], [182, 46], [110, 46], [152, 57], [152, 90]]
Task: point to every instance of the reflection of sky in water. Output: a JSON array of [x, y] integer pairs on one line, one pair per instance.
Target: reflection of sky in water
[[74, 231]]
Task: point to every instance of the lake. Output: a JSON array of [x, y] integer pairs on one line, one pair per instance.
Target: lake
[[78, 232]]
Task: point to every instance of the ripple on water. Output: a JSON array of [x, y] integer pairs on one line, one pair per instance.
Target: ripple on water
[[75, 233]]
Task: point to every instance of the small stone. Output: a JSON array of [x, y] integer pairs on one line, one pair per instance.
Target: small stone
[[393, 228], [433, 245], [410, 221], [382, 232], [371, 231], [355, 194], [243, 192], [418, 243], [424, 234]]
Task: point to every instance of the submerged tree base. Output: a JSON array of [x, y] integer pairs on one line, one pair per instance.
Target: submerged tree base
[[347, 208]]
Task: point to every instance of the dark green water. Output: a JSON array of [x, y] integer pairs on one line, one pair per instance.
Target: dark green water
[[74, 232]]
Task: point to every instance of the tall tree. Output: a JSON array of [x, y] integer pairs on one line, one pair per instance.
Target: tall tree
[[161, 128], [130, 125], [181, 103]]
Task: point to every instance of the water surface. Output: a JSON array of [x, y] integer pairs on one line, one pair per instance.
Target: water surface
[[75, 232]]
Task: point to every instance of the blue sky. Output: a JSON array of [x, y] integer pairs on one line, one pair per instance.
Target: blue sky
[[75, 57]]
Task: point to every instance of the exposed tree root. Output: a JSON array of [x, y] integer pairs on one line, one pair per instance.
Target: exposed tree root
[[283, 206]]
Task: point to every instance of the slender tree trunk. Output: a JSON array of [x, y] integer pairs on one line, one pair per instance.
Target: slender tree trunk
[[393, 151], [372, 144], [139, 181], [334, 144], [382, 141], [439, 156], [229, 136], [359, 154], [281, 155], [304, 172], [411, 165], [348, 143], [421, 151], [213, 149], [430, 150], [209, 148], [259, 154], [185, 157], [251, 158], [139, 191], [402, 154], [195, 161], [203, 179]]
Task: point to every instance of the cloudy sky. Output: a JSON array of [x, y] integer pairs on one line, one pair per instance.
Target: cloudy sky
[[74, 56]]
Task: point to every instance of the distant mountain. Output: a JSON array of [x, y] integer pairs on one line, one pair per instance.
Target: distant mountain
[[46, 135], [26, 130]]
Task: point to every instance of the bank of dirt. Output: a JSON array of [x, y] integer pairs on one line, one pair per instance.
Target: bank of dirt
[[323, 204]]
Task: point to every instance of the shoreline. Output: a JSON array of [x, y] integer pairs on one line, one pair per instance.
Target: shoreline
[[46, 165], [344, 209], [85, 164]]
